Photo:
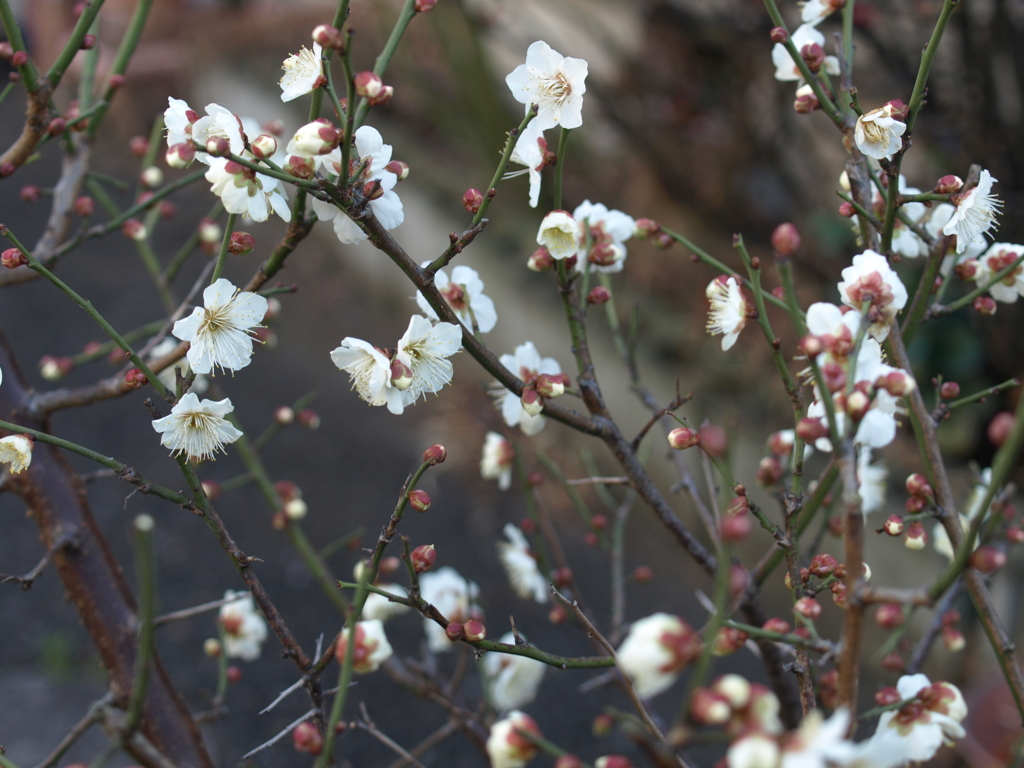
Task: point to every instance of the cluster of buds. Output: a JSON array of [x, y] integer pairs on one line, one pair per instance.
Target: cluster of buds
[[727, 641], [135, 378], [537, 390], [952, 637], [293, 507], [372, 88], [921, 494], [736, 524], [737, 704]]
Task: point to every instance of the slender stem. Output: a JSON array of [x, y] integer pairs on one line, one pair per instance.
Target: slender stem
[[563, 138], [222, 257], [179, 259], [152, 265], [983, 393], [29, 74], [273, 173], [87, 80], [963, 301], [506, 155], [145, 570], [36, 266], [74, 43], [927, 57], [124, 54], [384, 59]]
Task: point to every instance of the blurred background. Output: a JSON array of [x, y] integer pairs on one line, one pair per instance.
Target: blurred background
[[683, 123]]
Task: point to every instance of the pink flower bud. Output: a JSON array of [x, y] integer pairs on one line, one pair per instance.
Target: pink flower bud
[[949, 390], [786, 239], [368, 85], [564, 761], [781, 626], [822, 566], [806, 101], [263, 146], [603, 725], [472, 200], [682, 438], [435, 454], [846, 209], [218, 146], [893, 663], [915, 536], [383, 97], [896, 383], [1015, 534], [116, 81], [917, 485], [807, 607], [898, 110], [949, 184], [889, 615], [6, 169], [834, 376], [987, 559], [645, 228], [19, 58], [642, 574], [857, 405], [168, 210], [88, 42], [12, 258], [423, 558], [887, 696], [422, 6], [400, 169], [306, 738], [914, 505], [84, 206], [136, 378], [769, 471], [151, 177], [1000, 427], [713, 440], [811, 345], [532, 402], [953, 639], [540, 260], [241, 243], [138, 145], [663, 241], [299, 167], [985, 305], [733, 528], [454, 632], [814, 56], [57, 126], [308, 418], [893, 525], [327, 36], [779, 35], [598, 295], [474, 630], [134, 229], [29, 193], [419, 500], [810, 430], [709, 708], [727, 641]]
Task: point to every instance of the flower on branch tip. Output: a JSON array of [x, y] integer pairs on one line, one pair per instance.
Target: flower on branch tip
[[507, 747], [220, 331], [372, 647], [244, 628], [729, 310], [185, 126], [872, 481], [878, 133], [497, 460], [303, 73], [997, 258], [528, 365], [786, 69], [975, 214], [512, 681], [452, 595], [554, 83], [559, 234], [520, 565], [370, 372], [465, 295], [16, 450], [197, 429], [655, 652], [872, 280], [601, 236]]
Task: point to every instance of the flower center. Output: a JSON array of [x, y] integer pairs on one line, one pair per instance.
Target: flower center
[[875, 133], [556, 88], [455, 296]]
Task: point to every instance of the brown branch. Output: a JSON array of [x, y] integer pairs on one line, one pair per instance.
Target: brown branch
[[37, 119], [853, 540]]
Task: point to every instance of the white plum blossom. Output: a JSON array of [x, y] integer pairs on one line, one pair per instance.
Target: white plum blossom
[[753, 750], [381, 608], [819, 743], [16, 450], [425, 349], [655, 652], [370, 372], [465, 295], [877, 133], [601, 236], [219, 331], [527, 364], [455, 597], [531, 150], [243, 191], [729, 310], [871, 280], [387, 208], [975, 213], [816, 11], [872, 480], [559, 233], [197, 429], [506, 746], [554, 83], [904, 241], [916, 731], [786, 69], [997, 258], [302, 72], [372, 646], [521, 565], [185, 125], [512, 681], [244, 628], [497, 460]]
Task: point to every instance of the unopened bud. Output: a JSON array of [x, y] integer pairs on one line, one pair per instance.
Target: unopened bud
[[598, 295], [472, 199], [893, 525], [917, 485], [540, 260], [896, 383], [168, 210], [136, 378], [1000, 428], [915, 536], [423, 558], [727, 641], [806, 100], [948, 184], [400, 169], [211, 488], [52, 368], [306, 738], [549, 386], [810, 430], [714, 441], [454, 632], [893, 663], [263, 146], [814, 56], [284, 415], [211, 647], [642, 574], [296, 509], [663, 241], [29, 193], [368, 85], [563, 761], [383, 97], [857, 404], [299, 167], [988, 559], [317, 138], [19, 58], [807, 607], [985, 305], [786, 239], [682, 438], [435, 454], [152, 177], [532, 402], [218, 146], [734, 528], [327, 36], [779, 35], [603, 725], [769, 471], [822, 566], [949, 390], [846, 209], [645, 228], [12, 258], [308, 418], [953, 639], [781, 626], [88, 43], [209, 231], [709, 708], [7, 168], [889, 615], [422, 6], [1015, 534], [134, 229], [898, 110], [474, 630], [57, 126], [241, 243], [419, 500]]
